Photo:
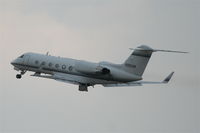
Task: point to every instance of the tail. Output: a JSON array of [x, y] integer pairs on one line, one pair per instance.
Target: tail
[[138, 60]]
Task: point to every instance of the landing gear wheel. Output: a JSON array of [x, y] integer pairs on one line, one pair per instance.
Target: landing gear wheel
[[18, 76], [83, 88]]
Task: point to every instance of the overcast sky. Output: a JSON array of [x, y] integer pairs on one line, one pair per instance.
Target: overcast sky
[[97, 30]]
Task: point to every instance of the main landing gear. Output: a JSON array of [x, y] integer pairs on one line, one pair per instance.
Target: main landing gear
[[19, 76], [84, 87]]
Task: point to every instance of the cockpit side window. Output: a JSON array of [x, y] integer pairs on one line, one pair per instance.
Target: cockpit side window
[[21, 56]]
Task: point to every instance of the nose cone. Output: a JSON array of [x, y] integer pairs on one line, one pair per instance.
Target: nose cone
[[16, 62], [13, 62]]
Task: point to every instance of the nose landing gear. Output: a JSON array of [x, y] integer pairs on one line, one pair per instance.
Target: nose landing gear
[[19, 76]]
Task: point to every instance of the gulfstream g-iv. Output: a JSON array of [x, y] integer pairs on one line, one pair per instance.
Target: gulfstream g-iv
[[85, 74]]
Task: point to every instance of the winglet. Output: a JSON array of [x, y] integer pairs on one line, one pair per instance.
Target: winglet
[[167, 79]]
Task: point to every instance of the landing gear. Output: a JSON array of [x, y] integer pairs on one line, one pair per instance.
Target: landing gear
[[83, 88], [23, 72], [19, 76]]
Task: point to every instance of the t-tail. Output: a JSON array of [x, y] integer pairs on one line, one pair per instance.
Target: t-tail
[[138, 60]]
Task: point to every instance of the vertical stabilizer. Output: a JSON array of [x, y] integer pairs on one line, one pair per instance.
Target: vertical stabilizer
[[138, 60]]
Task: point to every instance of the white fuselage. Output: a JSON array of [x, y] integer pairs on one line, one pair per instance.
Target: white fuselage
[[77, 70]]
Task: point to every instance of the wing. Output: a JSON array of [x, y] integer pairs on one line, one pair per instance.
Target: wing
[[140, 83], [61, 77], [73, 79]]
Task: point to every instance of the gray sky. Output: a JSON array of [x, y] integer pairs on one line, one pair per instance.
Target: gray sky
[[97, 30]]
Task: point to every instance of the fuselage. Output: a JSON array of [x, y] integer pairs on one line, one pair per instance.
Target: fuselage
[[103, 72]]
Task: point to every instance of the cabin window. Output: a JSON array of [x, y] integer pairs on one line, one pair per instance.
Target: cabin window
[[36, 62], [43, 63], [50, 64], [57, 65], [21, 56], [63, 66], [70, 68]]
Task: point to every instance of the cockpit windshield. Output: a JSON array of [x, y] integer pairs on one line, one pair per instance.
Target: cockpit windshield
[[21, 56]]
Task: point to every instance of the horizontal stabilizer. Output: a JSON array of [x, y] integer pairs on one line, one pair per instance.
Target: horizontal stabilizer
[[146, 48], [159, 50]]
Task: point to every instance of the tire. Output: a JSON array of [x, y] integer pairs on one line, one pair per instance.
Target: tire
[[18, 76]]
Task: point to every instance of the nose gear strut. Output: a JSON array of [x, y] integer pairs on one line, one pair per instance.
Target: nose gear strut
[[19, 76]]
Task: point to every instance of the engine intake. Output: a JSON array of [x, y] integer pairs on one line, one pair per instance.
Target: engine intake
[[105, 71]]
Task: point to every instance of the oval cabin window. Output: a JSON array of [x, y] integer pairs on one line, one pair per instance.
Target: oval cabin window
[[70, 68], [57, 66], [50, 64], [36, 62], [43, 63], [63, 66]]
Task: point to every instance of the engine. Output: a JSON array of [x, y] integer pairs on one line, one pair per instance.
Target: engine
[[90, 68]]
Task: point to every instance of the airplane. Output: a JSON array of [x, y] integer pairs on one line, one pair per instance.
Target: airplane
[[85, 74]]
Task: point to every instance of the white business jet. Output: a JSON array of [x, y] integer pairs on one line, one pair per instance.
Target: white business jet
[[87, 74]]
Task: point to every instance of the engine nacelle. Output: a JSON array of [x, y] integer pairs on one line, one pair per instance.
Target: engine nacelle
[[121, 75], [91, 68], [118, 74]]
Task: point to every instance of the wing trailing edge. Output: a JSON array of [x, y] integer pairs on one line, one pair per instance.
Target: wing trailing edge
[[140, 83]]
